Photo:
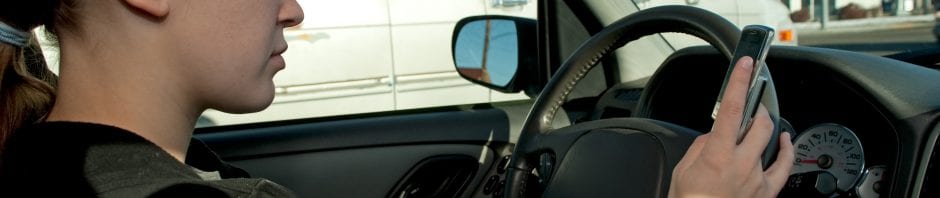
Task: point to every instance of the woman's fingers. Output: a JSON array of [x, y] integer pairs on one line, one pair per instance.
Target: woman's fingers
[[758, 135], [756, 180], [728, 121], [691, 155], [716, 165], [778, 173]]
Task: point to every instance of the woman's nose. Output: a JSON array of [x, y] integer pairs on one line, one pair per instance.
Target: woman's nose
[[290, 14]]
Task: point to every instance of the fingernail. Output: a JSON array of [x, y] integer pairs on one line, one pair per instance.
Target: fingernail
[[747, 62]]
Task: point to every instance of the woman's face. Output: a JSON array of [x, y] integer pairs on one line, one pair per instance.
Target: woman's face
[[229, 50]]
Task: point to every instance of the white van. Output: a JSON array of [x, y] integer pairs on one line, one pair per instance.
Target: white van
[[362, 56]]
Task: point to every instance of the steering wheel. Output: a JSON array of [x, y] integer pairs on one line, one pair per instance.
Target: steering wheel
[[615, 156]]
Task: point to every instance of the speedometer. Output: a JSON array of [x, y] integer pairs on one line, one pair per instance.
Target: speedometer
[[832, 148]]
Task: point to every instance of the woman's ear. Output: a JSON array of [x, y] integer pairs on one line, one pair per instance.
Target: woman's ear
[[155, 8]]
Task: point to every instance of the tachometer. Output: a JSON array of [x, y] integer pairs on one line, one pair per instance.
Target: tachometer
[[832, 148]]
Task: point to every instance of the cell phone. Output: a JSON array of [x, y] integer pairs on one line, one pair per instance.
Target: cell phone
[[755, 42]]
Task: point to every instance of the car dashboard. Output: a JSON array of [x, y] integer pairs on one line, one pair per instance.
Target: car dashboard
[[865, 121]]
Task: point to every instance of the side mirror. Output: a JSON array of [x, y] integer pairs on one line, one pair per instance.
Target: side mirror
[[492, 50]]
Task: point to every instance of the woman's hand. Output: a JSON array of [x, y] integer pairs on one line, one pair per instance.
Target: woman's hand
[[715, 166]]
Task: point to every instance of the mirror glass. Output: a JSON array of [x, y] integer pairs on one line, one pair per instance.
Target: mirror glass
[[487, 51]]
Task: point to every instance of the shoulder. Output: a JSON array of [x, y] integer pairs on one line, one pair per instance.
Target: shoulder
[[70, 126], [71, 156], [54, 154], [104, 161], [60, 144], [70, 134], [55, 149]]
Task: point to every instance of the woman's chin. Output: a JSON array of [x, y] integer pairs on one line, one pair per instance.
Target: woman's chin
[[249, 104], [246, 108]]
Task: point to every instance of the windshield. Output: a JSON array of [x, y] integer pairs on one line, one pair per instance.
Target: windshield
[[879, 27], [875, 27]]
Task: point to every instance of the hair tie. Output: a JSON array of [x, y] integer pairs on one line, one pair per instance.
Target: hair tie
[[12, 35]]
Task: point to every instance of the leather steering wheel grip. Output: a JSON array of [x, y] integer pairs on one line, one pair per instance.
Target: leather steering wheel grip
[[701, 23]]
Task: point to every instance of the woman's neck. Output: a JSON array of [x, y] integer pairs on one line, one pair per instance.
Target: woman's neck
[[125, 88]]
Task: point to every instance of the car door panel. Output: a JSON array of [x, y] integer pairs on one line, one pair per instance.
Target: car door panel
[[364, 157], [362, 172]]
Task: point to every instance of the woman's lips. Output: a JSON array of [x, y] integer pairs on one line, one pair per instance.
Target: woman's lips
[[277, 60]]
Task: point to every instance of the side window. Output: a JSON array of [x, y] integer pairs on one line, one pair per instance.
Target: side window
[[351, 57]]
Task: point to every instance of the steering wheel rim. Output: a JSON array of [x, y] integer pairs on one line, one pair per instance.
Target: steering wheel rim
[[703, 24]]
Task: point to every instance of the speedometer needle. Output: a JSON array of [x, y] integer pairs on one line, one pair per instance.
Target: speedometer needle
[[809, 161]]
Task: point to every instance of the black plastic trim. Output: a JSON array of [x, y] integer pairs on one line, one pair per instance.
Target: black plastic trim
[[437, 176], [459, 127]]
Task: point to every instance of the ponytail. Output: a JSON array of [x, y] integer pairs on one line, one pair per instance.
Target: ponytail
[[26, 87]]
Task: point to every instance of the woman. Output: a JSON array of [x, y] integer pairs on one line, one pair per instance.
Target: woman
[[136, 74]]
